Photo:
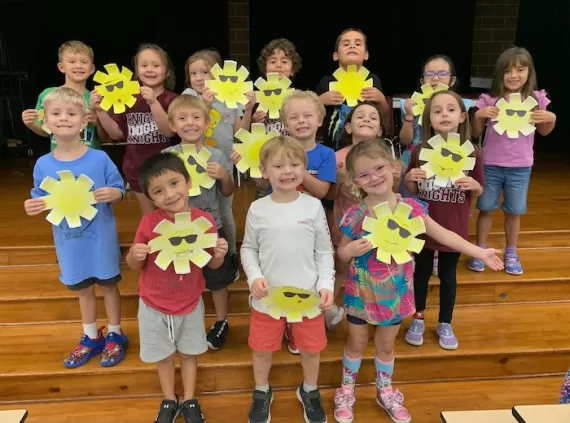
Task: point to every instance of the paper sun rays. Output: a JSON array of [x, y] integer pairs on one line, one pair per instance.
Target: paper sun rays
[[291, 303], [182, 242], [196, 165], [271, 93], [420, 99], [350, 83], [116, 89], [251, 143], [229, 84], [514, 116], [394, 234]]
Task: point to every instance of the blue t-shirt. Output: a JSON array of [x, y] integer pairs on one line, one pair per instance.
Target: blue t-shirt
[[92, 250]]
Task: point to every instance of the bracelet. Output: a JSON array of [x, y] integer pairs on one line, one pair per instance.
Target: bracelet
[[411, 120]]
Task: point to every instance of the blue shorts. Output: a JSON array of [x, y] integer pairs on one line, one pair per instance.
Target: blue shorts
[[513, 181]]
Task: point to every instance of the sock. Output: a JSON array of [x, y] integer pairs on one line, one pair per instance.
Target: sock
[[350, 368], [384, 372], [511, 250], [115, 329], [90, 329], [309, 388], [419, 315], [262, 388]]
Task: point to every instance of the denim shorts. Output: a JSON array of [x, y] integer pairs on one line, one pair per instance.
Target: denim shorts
[[512, 181]]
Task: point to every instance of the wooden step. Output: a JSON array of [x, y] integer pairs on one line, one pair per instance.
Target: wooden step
[[425, 401], [478, 416], [494, 342]]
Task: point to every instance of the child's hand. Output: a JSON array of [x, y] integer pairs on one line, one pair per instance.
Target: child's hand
[[107, 195], [490, 257], [327, 298], [489, 112], [92, 117], [34, 206], [95, 101], [148, 94], [30, 116], [259, 288], [217, 171], [221, 248], [359, 247], [251, 100], [332, 98], [415, 175], [542, 116], [467, 183], [397, 169], [408, 105], [372, 94], [140, 251], [258, 116], [236, 157], [208, 97]]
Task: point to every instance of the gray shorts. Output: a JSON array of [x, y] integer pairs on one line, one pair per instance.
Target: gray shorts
[[161, 335]]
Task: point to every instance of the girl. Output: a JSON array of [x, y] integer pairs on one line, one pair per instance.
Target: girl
[[445, 112], [224, 123], [144, 126], [375, 293], [507, 162]]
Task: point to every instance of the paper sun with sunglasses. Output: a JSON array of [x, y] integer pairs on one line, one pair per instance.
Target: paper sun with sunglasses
[[420, 99], [182, 242], [291, 303], [117, 89], [229, 84], [271, 93], [447, 160], [196, 165], [514, 116], [394, 234]]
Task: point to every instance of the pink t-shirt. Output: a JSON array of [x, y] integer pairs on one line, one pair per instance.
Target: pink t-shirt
[[500, 150]]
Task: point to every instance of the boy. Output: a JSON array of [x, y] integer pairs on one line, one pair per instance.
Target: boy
[[303, 257], [350, 49], [76, 63], [88, 255], [171, 310], [189, 118]]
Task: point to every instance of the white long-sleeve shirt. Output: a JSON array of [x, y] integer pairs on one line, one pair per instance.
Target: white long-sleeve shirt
[[288, 244]]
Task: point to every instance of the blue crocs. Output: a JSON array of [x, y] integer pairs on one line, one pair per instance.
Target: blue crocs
[[115, 348], [87, 349]]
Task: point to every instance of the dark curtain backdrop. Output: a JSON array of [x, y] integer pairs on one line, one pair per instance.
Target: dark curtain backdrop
[[400, 36]]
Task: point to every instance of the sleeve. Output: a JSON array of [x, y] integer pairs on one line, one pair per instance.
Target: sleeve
[[38, 178], [324, 255], [190, 91], [483, 101], [327, 170], [376, 82], [468, 103], [419, 208], [39, 104], [478, 172], [402, 108], [322, 86], [144, 231], [121, 120], [227, 165], [351, 222], [249, 251], [543, 99], [113, 178]]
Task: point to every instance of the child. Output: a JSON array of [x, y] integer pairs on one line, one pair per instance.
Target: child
[[88, 255], [189, 118], [507, 162], [76, 63], [303, 257], [450, 207], [350, 49], [171, 310], [376, 293], [144, 126], [565, 391]]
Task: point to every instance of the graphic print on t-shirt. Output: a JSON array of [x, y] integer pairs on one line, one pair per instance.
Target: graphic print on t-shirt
[[215, 118], [143, 129], [450, 194]]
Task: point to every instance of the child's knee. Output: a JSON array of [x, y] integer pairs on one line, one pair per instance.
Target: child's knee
[[87, 292], [310, 355], [167, 360], [263, 355], [112, 290], [186, 358]]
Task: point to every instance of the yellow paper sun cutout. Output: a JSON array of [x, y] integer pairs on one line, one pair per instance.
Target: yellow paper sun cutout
[[420, 99], [41, 119], [272, 93], [350, 83], [69, 198], [196, 165], [447, 160], [394, 234], [182, 242], [251, 143], [514, 116], [291, 303], [230, 84], [117, 89]]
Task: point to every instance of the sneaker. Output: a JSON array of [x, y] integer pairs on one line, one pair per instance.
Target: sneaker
[[291, 345], [87, 349], [260, 411], [343, 404], [218, 333], [447, 339], [435, 264], [415, 333], [191, 411], [312, 407], [333, 317], [168, 411], [115, 348], [127, 187], [513, 264], [476, 265], [393, 403]]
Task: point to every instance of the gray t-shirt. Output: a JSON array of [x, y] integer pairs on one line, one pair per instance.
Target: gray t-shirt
[[209, 199]]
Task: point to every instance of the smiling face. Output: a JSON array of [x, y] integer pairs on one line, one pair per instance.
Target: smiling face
[[279, 63], [77, 67], [199, 72], [445, 114], [373, 175], [515, 77], [437, 71], [151, 70], [365, 123], [302, 119], [190, 124], [169, 192], [351, 49], [284, 171], [65, 120]]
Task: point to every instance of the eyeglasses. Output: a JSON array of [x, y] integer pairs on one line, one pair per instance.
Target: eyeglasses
[[446, 153], [511, 112], [292, 294], [364, 178], [393, 225], [439, 74], [232, 78], [175, 241]]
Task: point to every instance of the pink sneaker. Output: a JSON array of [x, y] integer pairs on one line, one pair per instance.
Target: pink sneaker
[[393, 403], [343, 403], [291, 345]]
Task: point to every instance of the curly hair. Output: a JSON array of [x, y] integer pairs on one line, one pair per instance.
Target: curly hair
[[280, 44]]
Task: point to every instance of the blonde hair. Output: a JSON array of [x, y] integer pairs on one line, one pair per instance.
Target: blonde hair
[[302, 95], [75, 47], [66, 95], [284, 144], [188, 101], [210, 56], [169, 77]]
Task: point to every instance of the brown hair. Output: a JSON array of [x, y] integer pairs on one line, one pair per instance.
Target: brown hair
[[75, 47], [302, 95], [346, 138], [347, 30], [210, 56], [189, 101], [170, 77], [515, 56], [290, 146], [279, 44]]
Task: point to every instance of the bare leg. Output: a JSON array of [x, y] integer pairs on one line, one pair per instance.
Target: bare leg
[[262, 362], [221, 303], [310, 363], [166, 374], [145, 204], [484, 225], [358, 336], [112, 304], [189, 369], [88, 305], [512, 229]]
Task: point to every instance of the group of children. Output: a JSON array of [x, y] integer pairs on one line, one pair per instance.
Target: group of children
[[310, 192]]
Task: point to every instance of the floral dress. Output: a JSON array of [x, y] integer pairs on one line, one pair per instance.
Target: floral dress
[[375, 292]]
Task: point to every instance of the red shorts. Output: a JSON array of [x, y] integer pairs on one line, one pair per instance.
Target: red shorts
[[266, 333]]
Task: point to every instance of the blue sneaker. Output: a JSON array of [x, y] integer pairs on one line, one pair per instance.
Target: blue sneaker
[[513, 264], [115, 348], [476, 265], [87, 349]]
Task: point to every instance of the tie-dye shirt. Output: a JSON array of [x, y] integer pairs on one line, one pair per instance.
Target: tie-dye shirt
[[375, 292]]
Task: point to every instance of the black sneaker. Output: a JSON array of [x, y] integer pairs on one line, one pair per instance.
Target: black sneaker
[[218, 334], [313, 409], [168, 412], [191, 412], [260, 411]]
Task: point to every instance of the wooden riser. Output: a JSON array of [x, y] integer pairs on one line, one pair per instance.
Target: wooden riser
[[495, 342]]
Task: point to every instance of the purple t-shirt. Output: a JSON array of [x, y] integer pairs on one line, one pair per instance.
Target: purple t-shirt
[[500, 150]]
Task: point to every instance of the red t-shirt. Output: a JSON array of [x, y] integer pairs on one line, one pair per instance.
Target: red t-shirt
[[167, 291], [451, 206]]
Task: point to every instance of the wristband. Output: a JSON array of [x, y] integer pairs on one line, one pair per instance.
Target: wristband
[[410, 120]]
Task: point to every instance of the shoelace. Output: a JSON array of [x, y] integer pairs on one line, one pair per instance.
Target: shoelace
[[312, 401], [221, 329], [416, 328], [260, 401], [193, 412], [345, 397], [512, 260], [393, 400], [445, 330]]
